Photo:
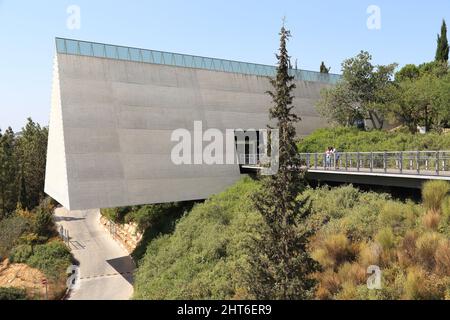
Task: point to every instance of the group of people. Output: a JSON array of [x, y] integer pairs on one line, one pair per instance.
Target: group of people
[[331, 154]]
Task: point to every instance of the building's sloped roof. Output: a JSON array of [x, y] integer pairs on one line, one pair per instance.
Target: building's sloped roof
[[100, 50]]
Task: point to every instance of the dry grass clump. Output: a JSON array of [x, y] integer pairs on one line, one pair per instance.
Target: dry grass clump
[[426, 247], [336, 255], [352, 273], [329, 285], [333, 250], [369, 254], [431, 220], [409, 242], [433, 194], [406, 252], [442, 258], [420, 285]]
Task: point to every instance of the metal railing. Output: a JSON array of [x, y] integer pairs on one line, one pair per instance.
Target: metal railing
[[64, 234], [249, 159], [100, 50], [431, 163]]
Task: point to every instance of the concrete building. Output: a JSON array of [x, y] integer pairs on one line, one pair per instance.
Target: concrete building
[[114, 109]]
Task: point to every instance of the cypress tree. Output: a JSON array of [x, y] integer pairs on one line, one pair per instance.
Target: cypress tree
[[8, 173], [442, 44], [280, 264]]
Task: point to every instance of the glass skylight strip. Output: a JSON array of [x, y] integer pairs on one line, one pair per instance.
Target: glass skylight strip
[[85, 48]]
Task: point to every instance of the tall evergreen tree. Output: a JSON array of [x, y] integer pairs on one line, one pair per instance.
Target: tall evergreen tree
[[32, 154], [323, 68], [442, 44], [23, 201], [8, 173], [280, 264]]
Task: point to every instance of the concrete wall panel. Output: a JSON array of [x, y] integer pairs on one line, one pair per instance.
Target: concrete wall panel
[[110, 133], [56, 182]]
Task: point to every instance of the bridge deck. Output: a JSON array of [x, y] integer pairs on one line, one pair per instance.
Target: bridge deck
[[401, 168], [425, 174]]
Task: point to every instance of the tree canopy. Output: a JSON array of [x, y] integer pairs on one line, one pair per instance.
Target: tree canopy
[[22, 167], [364, 88], [418, 95]]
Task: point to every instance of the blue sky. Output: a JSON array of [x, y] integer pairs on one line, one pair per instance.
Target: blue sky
[[326, 30]]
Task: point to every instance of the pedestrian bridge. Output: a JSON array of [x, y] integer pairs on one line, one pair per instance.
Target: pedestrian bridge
[[408, 169]]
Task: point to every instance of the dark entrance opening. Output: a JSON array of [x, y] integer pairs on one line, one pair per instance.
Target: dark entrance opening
[[248, 148]]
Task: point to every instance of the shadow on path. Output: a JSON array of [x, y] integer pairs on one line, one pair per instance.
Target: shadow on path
[[124, 266], [68, 219]]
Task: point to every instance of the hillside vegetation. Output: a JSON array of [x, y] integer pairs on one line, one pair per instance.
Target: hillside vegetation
[[30, 237], [409, 242], [27, 232], [207, 254], [353, 140]]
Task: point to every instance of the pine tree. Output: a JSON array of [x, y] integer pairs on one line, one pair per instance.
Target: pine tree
[[442, 44], [32, 154], [323, 68], [280, 264], [8, 173], [23, 197]]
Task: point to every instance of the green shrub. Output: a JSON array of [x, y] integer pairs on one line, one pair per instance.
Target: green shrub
[[52, 258], [346, 210], [434, 193], [360, 222], [11, 229], [116, 215], [159, 220], [12, 294], [386, 238], [43, 223], [151, 215], [21, 254], [398, 216], [205, 255], [38, 221]]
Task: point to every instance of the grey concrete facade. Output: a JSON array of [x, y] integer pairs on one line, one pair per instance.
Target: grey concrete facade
[[111, 122]]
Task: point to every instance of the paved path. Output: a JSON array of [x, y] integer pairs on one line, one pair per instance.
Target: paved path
[[105, 267]]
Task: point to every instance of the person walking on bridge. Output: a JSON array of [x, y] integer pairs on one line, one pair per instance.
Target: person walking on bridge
[[328, 154], [337, 156]]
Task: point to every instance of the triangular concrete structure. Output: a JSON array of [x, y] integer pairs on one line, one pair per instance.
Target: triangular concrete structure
[[56, 183]]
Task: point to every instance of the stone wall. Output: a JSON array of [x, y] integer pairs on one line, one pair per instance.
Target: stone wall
[[127, 234]]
